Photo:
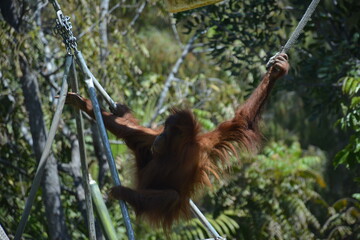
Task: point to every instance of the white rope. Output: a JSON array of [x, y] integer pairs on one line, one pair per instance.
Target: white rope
[[3, 235], [295, 35]]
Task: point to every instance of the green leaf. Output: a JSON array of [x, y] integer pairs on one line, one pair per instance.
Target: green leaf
[[341, 157], [354, 102]]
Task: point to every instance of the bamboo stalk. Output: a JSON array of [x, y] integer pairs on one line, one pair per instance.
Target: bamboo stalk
[[102, 211]]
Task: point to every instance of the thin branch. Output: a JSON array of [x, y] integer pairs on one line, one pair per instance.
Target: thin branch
[[137, 15], [90, 28], [171, 77], [45, 75], [7, 163], [174, 29]]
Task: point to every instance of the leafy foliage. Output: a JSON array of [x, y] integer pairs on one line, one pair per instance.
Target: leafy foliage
[[271, 195], [343, 222], [224, 224], [278, 195], [350, 155], [240, 34]]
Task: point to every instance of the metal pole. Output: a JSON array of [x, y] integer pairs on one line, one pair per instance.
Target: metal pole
[[103, 93], [46, 152], [84, 168], [63, 28], [103, 134]]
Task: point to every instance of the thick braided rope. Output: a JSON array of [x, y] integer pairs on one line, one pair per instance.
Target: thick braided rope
[[3, 235], [295, 35]]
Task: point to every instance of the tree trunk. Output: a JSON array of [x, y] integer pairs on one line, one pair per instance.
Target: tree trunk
[[104, 9], [98, 146], [50, 183]]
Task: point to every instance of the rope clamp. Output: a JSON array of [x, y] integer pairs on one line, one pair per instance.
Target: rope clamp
[[63, 27], [60, 17]]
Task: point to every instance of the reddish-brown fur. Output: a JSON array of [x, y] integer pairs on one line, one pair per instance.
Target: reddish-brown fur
[[173, 162]]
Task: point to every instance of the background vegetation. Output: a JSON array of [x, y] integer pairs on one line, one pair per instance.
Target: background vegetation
[[304, 182]]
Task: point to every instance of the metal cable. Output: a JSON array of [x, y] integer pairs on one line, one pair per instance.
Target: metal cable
[[205, 222]]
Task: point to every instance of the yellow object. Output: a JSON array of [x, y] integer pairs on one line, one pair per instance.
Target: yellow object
[[183, 5]]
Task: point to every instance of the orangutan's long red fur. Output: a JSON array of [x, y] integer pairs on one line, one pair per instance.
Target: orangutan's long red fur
[[172, 162]]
